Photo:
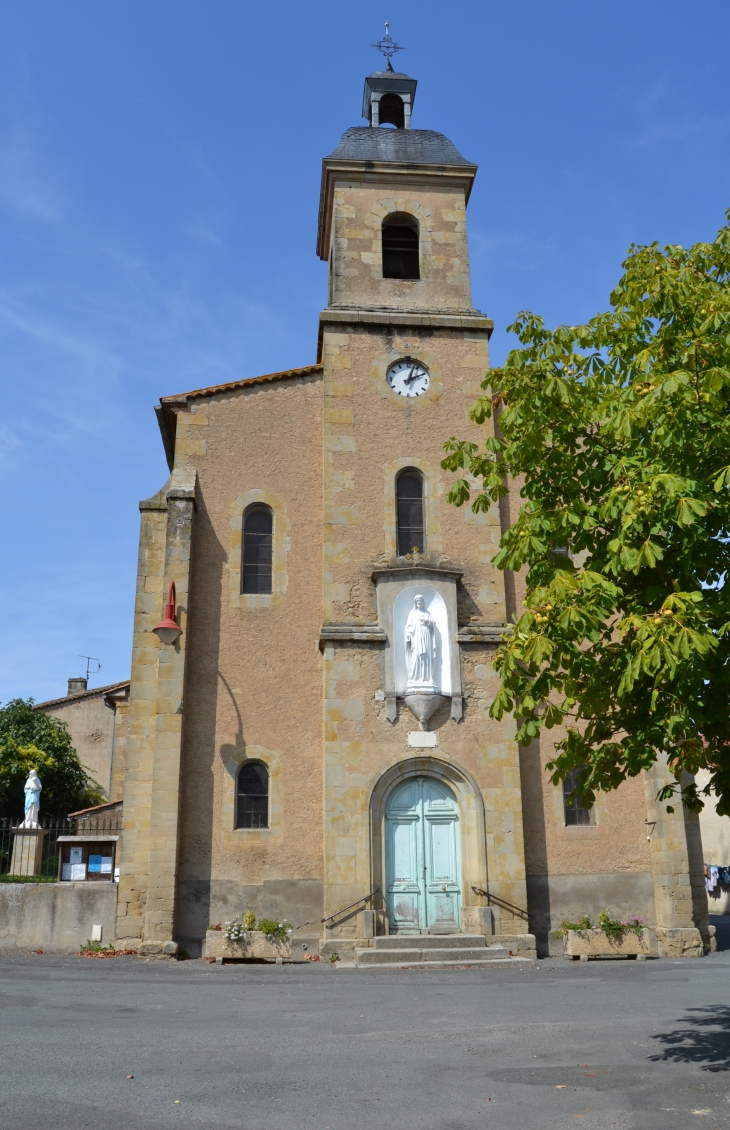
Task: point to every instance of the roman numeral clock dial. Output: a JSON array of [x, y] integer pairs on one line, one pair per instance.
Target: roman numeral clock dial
[[408, 377]]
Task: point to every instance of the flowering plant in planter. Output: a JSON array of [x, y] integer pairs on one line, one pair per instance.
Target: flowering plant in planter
[[613, 928], [235, 930]]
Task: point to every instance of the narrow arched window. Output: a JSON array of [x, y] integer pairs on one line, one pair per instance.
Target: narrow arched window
[[400, 246], [252, 796], [258, 523], [409, 505], [575, 813]]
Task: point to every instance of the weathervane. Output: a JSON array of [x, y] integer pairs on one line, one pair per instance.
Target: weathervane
[[387, 46]]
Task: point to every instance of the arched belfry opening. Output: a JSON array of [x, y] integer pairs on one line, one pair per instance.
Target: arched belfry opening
[[401, 259], [391, 111]]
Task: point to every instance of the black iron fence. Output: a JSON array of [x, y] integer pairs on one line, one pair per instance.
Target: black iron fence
[[30, 855]]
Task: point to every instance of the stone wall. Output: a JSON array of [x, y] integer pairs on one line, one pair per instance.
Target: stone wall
[[55, 917]]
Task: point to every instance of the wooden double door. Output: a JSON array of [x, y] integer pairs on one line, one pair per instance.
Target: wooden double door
[[423, 879]]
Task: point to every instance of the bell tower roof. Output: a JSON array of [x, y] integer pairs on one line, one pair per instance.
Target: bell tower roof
[[388, 99]]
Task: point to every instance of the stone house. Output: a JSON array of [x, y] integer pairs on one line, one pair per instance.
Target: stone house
[[315, 745], [97, 720]]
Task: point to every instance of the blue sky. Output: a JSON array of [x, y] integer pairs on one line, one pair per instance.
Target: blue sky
[[159, 179]]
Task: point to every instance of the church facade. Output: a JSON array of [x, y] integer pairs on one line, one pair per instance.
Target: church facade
[[315, 744]]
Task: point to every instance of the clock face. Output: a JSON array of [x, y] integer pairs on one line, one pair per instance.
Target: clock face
[[408, 377]]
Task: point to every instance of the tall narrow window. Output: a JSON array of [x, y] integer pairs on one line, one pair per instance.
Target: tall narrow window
[[258, 522], [575, 813], [400, 247], [252, 796], [409, 503]]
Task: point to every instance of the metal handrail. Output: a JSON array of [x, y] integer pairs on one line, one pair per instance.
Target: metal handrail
[[356, 903], [341, 911], [500, 902]]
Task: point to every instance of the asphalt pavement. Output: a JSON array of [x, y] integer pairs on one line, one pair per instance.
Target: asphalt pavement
[[129, 1044]]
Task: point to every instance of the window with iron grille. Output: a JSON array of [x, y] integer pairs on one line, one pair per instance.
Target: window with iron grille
[[258, 523], [400, 247], [252, 796], [409, 503], [575, 813]]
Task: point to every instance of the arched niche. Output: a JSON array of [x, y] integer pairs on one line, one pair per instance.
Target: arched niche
[[436, 606]]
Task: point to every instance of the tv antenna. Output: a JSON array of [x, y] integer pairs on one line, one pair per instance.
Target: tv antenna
[[387, 46], [90, 659]]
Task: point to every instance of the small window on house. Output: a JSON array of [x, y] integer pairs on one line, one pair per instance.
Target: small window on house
[[409, 506], [400, 247], [390, 111], [258, 522], [252, 796], [575, 813]]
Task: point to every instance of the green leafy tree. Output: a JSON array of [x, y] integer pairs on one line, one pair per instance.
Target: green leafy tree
[[620, 432], [29, 739]]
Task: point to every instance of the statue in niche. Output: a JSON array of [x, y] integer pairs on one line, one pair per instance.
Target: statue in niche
[[32, 789], [420, 639]]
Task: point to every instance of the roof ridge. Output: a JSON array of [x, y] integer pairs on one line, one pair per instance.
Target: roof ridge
[[81, 694]]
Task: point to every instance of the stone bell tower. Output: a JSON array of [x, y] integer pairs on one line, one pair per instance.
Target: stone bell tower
[[403, 353]]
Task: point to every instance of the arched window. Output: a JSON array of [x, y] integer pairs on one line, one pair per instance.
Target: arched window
[[409, 504], [252, 796], [390, 111], [575, 813], [258, 523], [400, 246]]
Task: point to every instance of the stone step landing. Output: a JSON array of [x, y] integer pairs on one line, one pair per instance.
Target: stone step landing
[[399, 950]]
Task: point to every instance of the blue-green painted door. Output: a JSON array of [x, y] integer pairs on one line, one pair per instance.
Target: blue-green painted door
[[422, 858]]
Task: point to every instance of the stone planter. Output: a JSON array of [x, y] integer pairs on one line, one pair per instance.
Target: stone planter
[[585, 944], [251, 945]]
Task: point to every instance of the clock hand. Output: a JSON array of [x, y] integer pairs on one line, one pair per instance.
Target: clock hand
[[412, 376]]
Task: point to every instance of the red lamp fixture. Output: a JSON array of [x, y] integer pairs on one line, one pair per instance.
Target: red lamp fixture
[[168, 629]]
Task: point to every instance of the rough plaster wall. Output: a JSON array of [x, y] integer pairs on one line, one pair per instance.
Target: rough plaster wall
[[444, 254], [254, 680], [91, 724], [55, 917]]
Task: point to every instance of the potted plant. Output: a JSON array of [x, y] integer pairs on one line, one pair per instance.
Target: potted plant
[[246, 940], [612, 937]]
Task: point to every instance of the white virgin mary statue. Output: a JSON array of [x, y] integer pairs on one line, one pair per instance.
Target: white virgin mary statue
[[32, 789], [420, 639]]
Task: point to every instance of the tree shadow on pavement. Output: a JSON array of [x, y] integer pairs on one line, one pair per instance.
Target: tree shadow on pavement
[[706, 1042]]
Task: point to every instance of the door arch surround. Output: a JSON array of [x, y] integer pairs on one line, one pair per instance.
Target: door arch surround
[[472, 827]]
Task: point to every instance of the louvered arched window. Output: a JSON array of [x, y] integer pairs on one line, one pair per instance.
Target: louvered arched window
[[400, 246], [409, 506], [258, 538], [252, 796]]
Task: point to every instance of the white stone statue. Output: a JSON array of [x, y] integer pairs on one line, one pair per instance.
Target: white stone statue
[[420, 637], [32, 789]]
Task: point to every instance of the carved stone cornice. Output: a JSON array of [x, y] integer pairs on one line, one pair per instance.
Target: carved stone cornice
[[483, 633], [352, 632], [403, 572]]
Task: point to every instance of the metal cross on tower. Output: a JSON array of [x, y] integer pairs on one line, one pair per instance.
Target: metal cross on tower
[[387, 46]]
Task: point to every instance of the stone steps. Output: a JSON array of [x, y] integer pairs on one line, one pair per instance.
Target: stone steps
[[429, 941], [399, 950], [455, 955]]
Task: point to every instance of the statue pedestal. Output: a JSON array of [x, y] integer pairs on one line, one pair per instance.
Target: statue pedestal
[[27, 851]]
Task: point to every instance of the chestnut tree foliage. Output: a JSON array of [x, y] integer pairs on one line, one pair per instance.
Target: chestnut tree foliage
[[620, 431]]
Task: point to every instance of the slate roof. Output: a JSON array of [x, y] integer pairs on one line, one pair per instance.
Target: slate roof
[[410, 146]]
